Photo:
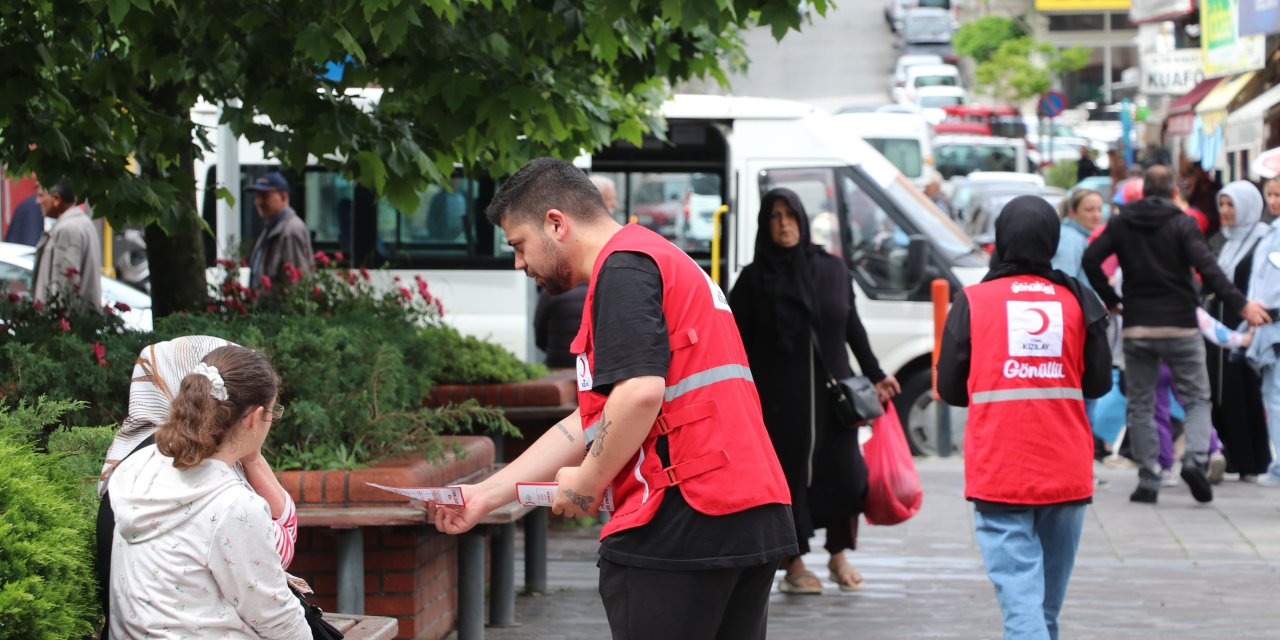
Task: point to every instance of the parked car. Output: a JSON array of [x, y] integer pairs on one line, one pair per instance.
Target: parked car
[[961, 155], [658, 202], [927, 26], [941, 49], [899, 77], [966, 193], [904, 139], [17, 267], [895, 11], [928, 75], [981, 226], [933, 100]]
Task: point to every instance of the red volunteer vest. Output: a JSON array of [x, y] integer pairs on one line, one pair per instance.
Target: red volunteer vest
[[1027, 440], [721, 455]]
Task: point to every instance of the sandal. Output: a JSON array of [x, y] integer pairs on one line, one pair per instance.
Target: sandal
[[841, 577], [801, 583]]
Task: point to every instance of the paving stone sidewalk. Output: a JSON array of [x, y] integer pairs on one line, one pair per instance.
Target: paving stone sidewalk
[[1175, 570]]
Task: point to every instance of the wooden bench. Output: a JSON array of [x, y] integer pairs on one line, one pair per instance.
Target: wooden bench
[[500, 524], [363, 627]]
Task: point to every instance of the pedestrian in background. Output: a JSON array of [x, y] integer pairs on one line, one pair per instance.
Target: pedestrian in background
[[1264, 286], [1082, 213], [1271, 189], [701, 515], [1159, 246], [1085, 167], [27, 224], [795, 310], [69, 255], [1022, 350], [284, 239], [934, 191], [1237, 390]]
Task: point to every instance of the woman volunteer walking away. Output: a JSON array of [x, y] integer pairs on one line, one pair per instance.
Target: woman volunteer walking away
[[193, 554], [1237, 390], [1022, 350], [793, 293]]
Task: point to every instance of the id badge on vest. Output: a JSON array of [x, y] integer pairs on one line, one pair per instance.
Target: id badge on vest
[[584, 373]]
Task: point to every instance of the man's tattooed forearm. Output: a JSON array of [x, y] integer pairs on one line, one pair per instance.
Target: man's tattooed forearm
[[597, 446], [564, 430], [579, 500]]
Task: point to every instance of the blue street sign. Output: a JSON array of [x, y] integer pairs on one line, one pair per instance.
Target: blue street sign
[[1052, 103]]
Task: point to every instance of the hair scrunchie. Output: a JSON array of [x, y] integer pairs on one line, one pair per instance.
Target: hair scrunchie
[[219, 390]]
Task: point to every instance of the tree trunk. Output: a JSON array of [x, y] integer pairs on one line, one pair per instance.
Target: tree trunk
[[176, 259]]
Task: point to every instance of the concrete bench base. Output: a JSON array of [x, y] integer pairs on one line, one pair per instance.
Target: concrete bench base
[[363, 627]]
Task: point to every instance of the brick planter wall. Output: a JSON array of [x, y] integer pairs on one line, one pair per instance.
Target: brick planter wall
[[410, 568], [532, 406]]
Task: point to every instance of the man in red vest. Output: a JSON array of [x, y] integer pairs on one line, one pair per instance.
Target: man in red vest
[[1022, 350], [668, 415]]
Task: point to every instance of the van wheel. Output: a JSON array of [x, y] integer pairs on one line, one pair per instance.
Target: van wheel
[[919, 415]]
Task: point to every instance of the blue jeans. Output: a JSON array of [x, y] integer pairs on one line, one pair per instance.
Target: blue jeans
[[1271, 400], [1029, 556]]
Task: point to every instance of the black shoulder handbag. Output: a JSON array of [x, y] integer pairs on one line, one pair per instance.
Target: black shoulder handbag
[[854, 399], [320, 629]]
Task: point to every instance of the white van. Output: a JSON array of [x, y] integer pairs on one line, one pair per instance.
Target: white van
[[904, 139], [862, 208]]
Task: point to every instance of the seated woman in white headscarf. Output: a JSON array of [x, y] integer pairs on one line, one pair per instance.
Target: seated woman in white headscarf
[[157, 375]]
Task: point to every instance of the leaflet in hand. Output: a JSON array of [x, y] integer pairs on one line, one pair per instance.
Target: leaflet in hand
[[439, 495], [543, 494]]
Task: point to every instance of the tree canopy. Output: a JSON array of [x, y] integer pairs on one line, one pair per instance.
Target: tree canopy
[[1024, 68], [86, 86], [980, 38]]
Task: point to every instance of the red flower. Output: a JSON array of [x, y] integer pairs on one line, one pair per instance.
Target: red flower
[[364, 273], [225, 263], [37, 305], [243, 262], [408, 295], [72, 272], [211, 308], [101, 352], [266, 282], [322, 259], [14, 298], [291, 273], [317, 292], [339, 257], [63, 325], [439, 307], [123, 308]]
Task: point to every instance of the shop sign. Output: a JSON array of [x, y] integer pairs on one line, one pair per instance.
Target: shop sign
[[1172, 73], [1157, 10], [1225, 50]]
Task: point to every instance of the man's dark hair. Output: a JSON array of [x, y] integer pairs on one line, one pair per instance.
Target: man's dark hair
[[1158, 182], [542, 184], [63, 190]]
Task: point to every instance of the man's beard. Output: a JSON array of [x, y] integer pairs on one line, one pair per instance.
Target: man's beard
[[560, 278]]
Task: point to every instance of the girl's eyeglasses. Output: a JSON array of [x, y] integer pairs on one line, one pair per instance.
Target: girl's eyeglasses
[[277, 410]]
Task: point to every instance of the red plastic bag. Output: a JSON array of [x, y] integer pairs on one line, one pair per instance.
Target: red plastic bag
[[894, 493]]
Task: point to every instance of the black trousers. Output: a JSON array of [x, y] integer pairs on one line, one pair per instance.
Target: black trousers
[[724, 604]]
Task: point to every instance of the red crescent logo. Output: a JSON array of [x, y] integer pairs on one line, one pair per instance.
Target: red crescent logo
[[1044, 321]]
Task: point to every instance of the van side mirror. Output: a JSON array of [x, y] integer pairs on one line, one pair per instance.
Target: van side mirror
[[918, 249]]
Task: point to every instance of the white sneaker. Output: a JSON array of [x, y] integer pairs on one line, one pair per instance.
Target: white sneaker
[[1168, 478], [1217, 467], [1268, 480]]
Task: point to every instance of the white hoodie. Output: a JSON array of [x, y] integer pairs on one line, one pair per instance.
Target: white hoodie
[[194, 556]]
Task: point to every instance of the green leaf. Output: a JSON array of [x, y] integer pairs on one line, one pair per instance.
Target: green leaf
[[313, 43], [117, 10], [372, 170], [349, 43]]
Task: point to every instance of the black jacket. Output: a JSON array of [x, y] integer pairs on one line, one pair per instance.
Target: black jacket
[[1158, 245]]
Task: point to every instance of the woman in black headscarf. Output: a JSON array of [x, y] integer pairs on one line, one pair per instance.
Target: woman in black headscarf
[[793, 291]]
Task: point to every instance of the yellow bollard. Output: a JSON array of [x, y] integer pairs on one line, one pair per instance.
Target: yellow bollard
[[715, 242]]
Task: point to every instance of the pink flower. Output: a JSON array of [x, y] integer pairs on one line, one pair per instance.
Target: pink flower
[[266, 283], [364, 273], [100, 352], [37, 305], [408, 295], [317, 292], [339, 257], [72, 272], [63, 325], [291, 272], [439, 307], [322, 259], [211, 308]]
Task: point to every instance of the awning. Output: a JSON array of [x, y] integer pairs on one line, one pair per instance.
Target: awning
[[1244, 125], [1188, 102], [1213, 109]]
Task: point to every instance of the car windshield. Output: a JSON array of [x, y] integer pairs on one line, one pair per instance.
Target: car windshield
[[937, 102], [936, 81], [904, 153], [949, 239], [957, 159]]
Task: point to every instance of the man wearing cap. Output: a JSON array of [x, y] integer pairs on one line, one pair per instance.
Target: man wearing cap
[[284, 239]]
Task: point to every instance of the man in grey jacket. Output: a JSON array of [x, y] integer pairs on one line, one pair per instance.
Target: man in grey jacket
[[68, 256], [284, 239]]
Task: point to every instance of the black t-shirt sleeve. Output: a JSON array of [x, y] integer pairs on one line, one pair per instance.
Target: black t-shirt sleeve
[[630, 330]]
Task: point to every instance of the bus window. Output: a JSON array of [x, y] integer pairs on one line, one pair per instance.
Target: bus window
[[330, 203]]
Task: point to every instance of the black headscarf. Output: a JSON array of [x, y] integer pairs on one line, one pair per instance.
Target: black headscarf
[[787, 274], [1027, 234]]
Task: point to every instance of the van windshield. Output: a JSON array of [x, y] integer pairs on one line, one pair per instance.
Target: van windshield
[[946, 236], [961, 159], [904, 153]]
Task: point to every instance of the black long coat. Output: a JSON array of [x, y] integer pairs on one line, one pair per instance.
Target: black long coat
[[820, 458]]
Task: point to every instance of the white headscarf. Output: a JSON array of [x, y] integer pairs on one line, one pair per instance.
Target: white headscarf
[[1248, 229], [157, 374]]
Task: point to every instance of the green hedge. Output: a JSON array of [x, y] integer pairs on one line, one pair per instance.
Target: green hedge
[[47, 588], [355, 363]]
